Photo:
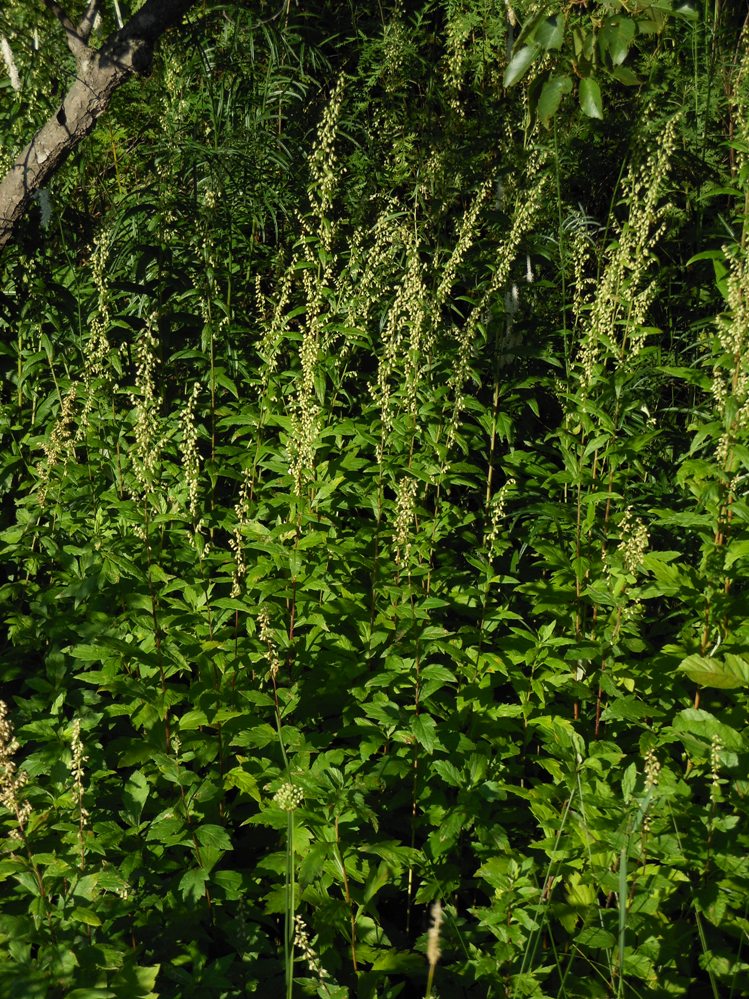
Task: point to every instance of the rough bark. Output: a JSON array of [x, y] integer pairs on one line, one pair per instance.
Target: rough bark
[[99, 72]]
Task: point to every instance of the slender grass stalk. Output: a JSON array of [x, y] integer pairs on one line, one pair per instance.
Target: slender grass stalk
[[290, 908], [623, 900], [535, 935]]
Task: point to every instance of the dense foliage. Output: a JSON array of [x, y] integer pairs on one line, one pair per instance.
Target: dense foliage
[[375, 432]]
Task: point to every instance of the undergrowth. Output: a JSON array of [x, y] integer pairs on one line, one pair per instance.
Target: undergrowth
[[374, 528]]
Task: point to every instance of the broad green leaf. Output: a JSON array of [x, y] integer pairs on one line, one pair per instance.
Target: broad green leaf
[[213, 836], [134, 796], [695, 724], [583, 46], [318, 855], [192, 884], [626, 76], [86, 886], [424, 729], [725, 674], [85, 915], [595, 937], [687, 9], [629, 781], [229, 884], [590, 98], [735, 551], [239, 778], [615, 38], [640, 966], [192, 720], [629, 708], [519, 64], [88, 653], [448, 772], [552, 93], [90, 993], [550, 32], [402, 962]]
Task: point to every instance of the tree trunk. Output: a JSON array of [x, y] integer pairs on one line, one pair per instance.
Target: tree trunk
[[99, 73]]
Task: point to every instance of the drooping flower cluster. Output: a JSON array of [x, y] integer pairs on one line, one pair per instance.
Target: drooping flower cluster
[[303, 944], [634, 541], [12, 781]]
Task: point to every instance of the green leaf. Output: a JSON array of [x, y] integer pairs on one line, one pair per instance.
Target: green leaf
[[90, 994], [735, 551], [134, 796], [590, 98], [519, 64], [84, 915], [626, 76], [192, 720], [552, 93], [401, 961], [629, 708], [239, 778], [449, 773], [229, 884], [424, 729], [725, 674], [213, 836], [629, 781], [595, 937], [192, 884], [550, 32], [615, 38], [687, 9], [312, 865]]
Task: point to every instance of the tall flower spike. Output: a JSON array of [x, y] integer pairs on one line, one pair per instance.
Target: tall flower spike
[[11, 781], [433, 937], [404, 517]]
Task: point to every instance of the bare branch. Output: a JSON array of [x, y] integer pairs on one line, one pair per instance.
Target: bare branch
[[86, 23], [75, 43]]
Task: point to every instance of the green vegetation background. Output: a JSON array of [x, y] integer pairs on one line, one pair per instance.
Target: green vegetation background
[[374, 532]]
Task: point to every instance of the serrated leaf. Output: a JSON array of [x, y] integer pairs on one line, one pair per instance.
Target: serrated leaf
[[229, 883], [724, 674], [88, 653], [317, 856], [735, 551], [590, 98], [192, 884], [629, 708], [424, 729], [697, 724], [403, 962], [239, 778], [519, 64], [213, 836], [448, 772]]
